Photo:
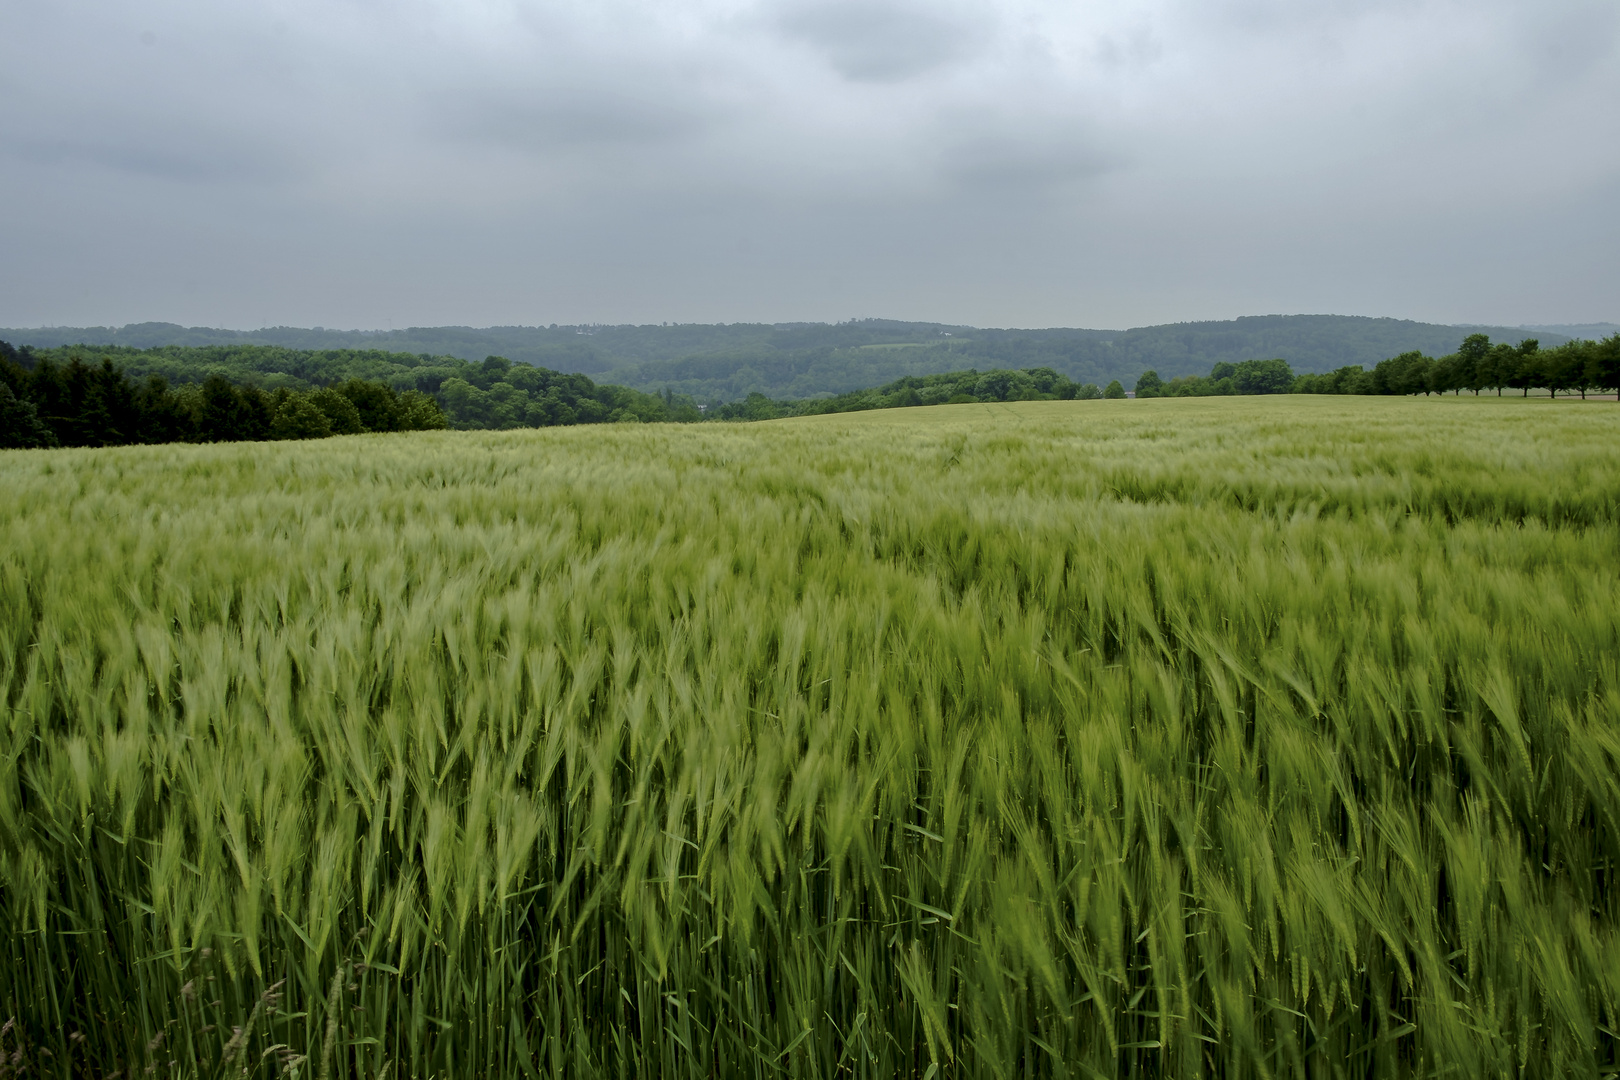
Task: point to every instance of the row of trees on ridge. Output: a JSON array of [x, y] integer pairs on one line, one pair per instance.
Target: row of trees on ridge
[[1575, 367]]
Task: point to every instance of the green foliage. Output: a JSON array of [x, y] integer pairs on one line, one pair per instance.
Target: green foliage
[[1477, 365], [377, 407], [297, 417], [225, 413], [500, 394], [1350, 379], [339, 411], [1236, 737], [953, 387], [1248, 377], [495, 393], [20, 425], [101, 405], [1262, 377], [1605, 362], [78, 404], [1114, 390], [1571, 367], [419, 412], [726, 363]]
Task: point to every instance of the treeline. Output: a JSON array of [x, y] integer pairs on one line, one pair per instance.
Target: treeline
[[1244, 377], [222, 394], [1575, 367], [1477, 366], [784, 361], [493, 393], [950, 388], [56, 397], [500, 394], [44, 403]]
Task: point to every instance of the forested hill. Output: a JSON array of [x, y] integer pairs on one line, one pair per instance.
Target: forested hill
[[799, 360]]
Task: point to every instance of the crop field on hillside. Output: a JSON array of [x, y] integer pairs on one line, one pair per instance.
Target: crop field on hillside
[[1208, 737]]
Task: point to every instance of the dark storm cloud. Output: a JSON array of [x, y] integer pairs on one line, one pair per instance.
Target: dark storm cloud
[[352, 162]]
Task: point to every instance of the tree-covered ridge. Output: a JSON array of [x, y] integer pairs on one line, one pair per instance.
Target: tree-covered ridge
[[718, 362]]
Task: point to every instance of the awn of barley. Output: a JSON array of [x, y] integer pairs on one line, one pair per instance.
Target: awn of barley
[[1225, 737]]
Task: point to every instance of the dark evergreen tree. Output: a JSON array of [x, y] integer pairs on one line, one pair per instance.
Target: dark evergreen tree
[[12, 371], [258, 410], [86, 418], [163, 416], [47, 391], [219, 413], [20, 425]]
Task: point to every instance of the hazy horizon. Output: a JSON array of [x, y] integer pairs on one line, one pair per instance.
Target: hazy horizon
[[995, 163], [1592, 324]]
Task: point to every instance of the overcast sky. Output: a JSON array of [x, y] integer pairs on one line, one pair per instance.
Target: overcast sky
[[377, 163]]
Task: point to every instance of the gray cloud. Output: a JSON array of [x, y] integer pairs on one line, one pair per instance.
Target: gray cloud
[[184, 156], [1014, 162], [882, 40], [565, 118], [1018, 156], [1567, 45]]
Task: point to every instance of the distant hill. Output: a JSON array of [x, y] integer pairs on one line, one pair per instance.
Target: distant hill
[[1594, 331], [795, 360]]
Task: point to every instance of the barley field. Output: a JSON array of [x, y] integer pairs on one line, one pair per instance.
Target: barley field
[[1214, 737]]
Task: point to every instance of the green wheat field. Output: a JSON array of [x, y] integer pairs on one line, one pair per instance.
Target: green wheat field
[[1222, 737]]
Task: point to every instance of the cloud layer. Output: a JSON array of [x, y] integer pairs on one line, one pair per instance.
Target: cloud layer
[[374, 162]]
